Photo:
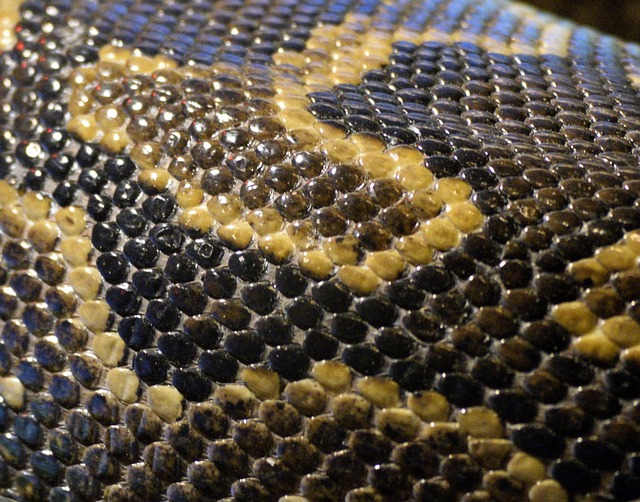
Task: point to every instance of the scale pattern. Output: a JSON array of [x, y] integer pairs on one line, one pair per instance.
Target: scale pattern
[[317, 251]]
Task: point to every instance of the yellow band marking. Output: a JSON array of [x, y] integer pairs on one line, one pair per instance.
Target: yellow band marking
[[442, 206], [61, 235]]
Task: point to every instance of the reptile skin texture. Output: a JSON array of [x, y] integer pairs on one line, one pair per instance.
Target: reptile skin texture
[[317, 250]]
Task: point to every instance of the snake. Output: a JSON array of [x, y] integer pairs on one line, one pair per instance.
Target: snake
[[317, 250]]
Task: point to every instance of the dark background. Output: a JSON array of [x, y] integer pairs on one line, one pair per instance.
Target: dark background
[[620, 17]]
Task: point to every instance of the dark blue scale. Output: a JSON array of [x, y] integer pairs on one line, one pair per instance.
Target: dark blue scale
[[394, 343], [319, 345], [189, 298], [131, 221], [361, 123], [274, 330], [119, 168], [113, 267], [105, 236], [5, 359], [207, 252], [100, 463], [150, 366], [71, 336], [88, 155], [136, 332], [304, 312], [50, 356], [460, 389], [26, 287], [180, 268], [289, 361], [82, 427], [141, 253], [65, 193], [64, 390], [14, 452], [245, 346], [99, 207], [30, 373], [363, 358], [150, 283], [126, 194], [27, 482], [348, 327], [413, 375], [219, 365], [28, 430], [104, 408], [45, 410], [8, 304], [54, 140], [260, 297], [177, 347], [192, 384], [123, 299], [159, 208], [82, 484], [247, 265], [163, 315], [204, 330], [47, 468]]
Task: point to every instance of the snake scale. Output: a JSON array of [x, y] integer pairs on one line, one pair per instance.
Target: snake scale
[[317, 250]]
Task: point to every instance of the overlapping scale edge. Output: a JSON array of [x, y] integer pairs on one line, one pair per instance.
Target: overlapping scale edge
[[366, 259]]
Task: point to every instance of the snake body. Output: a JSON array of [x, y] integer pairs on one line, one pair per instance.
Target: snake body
[[325, 250]]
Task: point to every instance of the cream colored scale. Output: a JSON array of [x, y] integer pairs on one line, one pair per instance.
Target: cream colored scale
[[9, 16]]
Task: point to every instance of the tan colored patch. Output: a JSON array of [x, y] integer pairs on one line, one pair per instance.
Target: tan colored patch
[[61, 236], [441, 225], [307, 395], [76, 250], [265, 384], [602, 340], [9, 17], [92, 121], [490, 453], [165, 401], [575, 317], [548, 490], [350, 49], [86, 282], [430, 406], [400, 423], [96, 315], [480, 422], [13, 392], [332, 375], [30, 216], [316, 263], [388, 265], [381, 392], [123, 383], [597, 347], [109, 348], [362, 280], [526, 468], [621, 330]]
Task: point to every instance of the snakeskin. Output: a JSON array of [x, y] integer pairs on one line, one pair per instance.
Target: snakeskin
[[317, 251]]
